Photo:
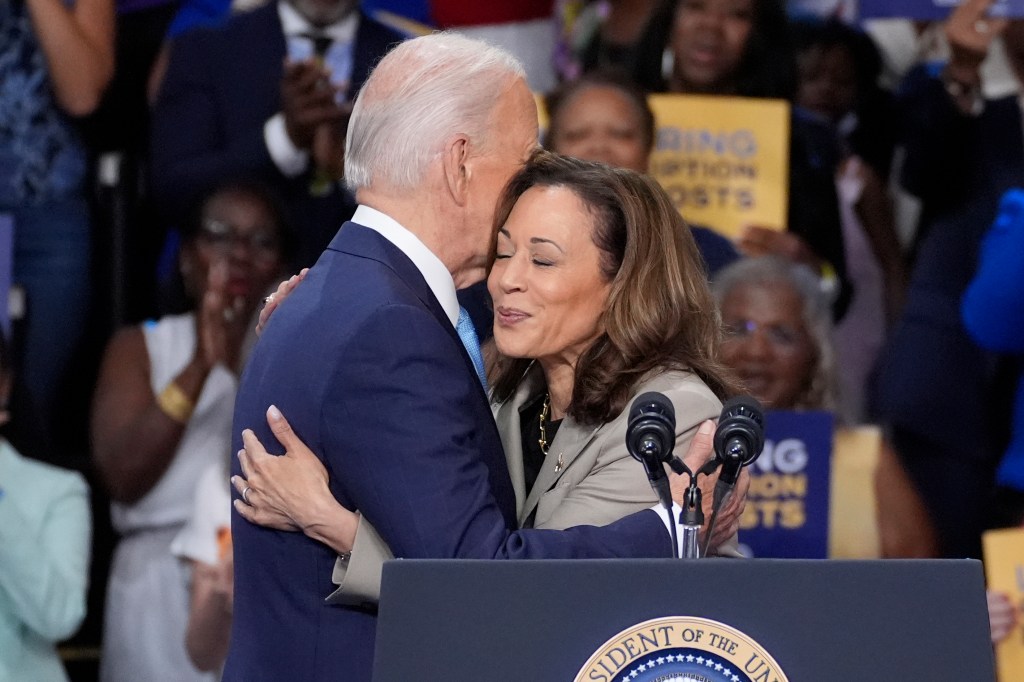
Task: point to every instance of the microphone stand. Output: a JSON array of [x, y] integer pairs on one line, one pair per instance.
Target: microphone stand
[[692, 516], [691, 519]]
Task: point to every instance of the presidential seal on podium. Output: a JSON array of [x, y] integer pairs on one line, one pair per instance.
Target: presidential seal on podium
[[681, 649]]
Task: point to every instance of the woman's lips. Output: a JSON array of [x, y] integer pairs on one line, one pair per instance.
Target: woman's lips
[[703, 55], [510, 316]]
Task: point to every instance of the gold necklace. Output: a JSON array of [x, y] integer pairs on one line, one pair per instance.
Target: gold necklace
[[544, 412]]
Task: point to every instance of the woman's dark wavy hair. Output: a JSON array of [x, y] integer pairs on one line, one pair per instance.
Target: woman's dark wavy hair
[[659, 315], [600, 78]]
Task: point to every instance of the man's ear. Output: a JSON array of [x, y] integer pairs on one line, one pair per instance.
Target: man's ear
[[457, 171]]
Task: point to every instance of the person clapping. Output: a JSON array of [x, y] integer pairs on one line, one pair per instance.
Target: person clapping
[[162, 415]]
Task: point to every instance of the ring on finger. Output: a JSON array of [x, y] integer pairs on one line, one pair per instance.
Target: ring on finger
[[245, 494], [981, 26]]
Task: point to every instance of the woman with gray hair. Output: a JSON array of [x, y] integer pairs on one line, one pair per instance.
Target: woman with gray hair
[[778, 327], [778, 342]]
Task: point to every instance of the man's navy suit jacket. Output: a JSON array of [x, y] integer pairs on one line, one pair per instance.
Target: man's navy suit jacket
[[371, 374], [222, 85]]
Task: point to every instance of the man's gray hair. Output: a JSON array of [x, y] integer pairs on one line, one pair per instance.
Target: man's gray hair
[[822, 390], [424, 91]]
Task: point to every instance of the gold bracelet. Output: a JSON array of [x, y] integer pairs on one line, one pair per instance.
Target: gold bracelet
[[173, 402]]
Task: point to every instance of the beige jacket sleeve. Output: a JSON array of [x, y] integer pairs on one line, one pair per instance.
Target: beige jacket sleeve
[[358, 575]]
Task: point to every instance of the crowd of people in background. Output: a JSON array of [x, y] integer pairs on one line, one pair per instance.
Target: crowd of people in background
[[164, 177]]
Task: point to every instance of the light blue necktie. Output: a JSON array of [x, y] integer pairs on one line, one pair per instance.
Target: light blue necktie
[[469, 339]]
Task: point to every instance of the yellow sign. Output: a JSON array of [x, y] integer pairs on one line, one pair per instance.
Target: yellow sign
[[681, 648], [1004, 572], [724, 160], [853, 524]]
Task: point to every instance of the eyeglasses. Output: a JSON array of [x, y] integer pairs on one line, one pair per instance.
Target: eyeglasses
[[262, 243], [782, 336]]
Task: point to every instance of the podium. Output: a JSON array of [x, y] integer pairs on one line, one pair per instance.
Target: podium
[[821, 621]]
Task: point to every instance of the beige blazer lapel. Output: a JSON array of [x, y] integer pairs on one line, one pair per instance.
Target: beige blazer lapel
[[507, 418], [569, 442]]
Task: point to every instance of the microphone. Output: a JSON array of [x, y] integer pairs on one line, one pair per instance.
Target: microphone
[[739, 437], [739, 440], [651, 433], [650, 437]]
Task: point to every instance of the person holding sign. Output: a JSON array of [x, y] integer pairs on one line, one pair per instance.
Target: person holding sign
[[778, 341], [602, 116], [743, 48]]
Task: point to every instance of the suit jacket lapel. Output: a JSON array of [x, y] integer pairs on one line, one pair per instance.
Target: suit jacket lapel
[[508, 421], [571, 440]]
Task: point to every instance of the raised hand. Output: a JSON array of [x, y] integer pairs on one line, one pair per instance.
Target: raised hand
[[970, 32], [761, 241], [309, 101], [221, 323]]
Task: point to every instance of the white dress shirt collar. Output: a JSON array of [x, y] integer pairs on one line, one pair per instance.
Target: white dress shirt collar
[[294, 24], [430, 266]]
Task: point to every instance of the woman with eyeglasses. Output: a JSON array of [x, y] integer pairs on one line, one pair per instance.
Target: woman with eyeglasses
[[162, 416], [778, 342]]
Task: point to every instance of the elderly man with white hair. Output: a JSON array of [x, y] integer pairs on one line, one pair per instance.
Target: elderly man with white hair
[[380, 373]]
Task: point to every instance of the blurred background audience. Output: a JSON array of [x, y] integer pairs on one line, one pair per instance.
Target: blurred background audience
[[945, 398], [993, 312], [225, 109], [603, 116], [877, 300], [56, 60], [779, 343], [838, 75], [162, 416]]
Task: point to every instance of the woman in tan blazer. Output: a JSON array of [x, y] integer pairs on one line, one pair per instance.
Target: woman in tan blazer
[[599, 295]]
